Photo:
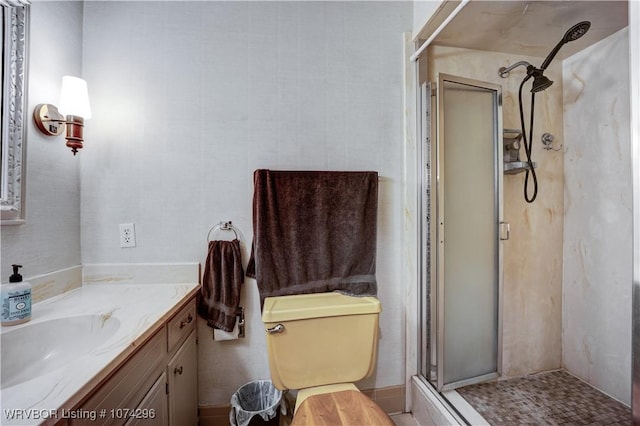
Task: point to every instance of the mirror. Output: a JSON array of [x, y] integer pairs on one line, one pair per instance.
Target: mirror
[[15, 16]]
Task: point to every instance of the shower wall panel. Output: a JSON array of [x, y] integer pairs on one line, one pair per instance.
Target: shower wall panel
[[597, 231], [532, 305]]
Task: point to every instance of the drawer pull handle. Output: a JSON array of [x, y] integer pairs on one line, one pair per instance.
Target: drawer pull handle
[[178, 370], [183, 324]]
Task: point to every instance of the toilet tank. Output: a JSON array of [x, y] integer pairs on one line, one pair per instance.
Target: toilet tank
[[320, 339]]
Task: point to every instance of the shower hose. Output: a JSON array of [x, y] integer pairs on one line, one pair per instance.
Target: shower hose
[[527, 145]]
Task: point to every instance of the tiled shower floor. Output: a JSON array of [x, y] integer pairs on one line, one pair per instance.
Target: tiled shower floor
[[554, 398]]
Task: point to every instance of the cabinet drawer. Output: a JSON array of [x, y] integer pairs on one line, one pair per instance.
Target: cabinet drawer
[[127, 387], [181, 325]]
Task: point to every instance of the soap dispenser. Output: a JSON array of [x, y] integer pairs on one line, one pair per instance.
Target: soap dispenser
[[16, 299]]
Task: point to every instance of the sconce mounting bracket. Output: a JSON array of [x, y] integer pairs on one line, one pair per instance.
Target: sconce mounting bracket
[[49, 120]]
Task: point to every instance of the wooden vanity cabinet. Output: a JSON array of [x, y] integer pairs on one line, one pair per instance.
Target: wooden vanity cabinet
[[157, 385]]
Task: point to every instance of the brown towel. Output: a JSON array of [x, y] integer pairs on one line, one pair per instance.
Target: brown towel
[[221, 283], [314, 232]]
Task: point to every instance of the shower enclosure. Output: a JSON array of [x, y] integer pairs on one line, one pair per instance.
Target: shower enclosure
[[565, 302], [462, 260]]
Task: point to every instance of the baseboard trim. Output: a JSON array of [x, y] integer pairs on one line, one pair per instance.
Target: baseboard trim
[[391, 399], [214, 415]]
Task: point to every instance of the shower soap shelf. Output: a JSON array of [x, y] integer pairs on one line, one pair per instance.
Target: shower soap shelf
[[515, 167], [511, 152]]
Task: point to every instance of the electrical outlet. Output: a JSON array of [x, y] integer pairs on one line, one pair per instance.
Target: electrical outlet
[[127, 235]]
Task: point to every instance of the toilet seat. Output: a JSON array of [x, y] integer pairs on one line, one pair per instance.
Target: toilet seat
[[346, 407]]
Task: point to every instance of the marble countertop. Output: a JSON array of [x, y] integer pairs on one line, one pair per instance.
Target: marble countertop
[[141, 311]]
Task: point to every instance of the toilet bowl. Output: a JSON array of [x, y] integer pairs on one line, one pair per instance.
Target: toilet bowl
[[320, 344]]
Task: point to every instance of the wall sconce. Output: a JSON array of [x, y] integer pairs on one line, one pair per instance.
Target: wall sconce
[[74, 109]]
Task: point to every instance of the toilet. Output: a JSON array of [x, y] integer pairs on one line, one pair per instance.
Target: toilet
[[320, 344]]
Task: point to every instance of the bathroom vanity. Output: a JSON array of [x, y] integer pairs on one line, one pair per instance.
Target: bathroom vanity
[[139, 367], [157, 385]]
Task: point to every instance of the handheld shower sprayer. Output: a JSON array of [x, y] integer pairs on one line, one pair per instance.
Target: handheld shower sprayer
[[572, 34], [540, 83]]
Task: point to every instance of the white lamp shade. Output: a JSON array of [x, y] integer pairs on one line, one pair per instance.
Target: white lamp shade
[[74, 97]]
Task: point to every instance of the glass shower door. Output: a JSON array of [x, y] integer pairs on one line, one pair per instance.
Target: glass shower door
[[466, 251]]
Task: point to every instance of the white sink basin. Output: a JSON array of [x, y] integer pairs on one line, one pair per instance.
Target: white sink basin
[[36, 349]]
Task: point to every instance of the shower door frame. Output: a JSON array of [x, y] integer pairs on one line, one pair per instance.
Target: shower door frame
[[432, 277]]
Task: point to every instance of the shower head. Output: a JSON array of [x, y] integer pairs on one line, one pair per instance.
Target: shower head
[[577, 31], [540, 82], [572, 34]]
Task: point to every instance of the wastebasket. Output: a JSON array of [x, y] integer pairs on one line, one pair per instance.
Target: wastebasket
[[256, 403]]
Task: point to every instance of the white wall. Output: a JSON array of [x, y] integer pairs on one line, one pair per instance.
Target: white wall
[[189, 98], [422, 12], [50, 238], [598, 220], [634, 59]]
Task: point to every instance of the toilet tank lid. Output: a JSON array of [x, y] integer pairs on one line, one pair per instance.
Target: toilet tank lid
[[317, 305]]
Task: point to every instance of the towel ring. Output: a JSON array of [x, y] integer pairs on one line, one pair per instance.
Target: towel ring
[[223, 226]]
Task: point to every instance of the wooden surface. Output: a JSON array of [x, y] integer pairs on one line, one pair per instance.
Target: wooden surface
[[182, 372], [340, 408]]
